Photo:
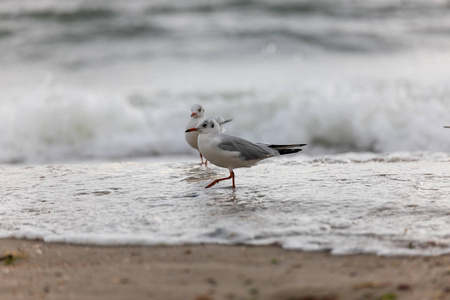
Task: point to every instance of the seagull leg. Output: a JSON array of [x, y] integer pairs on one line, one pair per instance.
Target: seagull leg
[[201, 157], [232, 173], [220, 179]]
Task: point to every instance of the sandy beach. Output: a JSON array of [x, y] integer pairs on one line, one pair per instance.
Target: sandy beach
[[41, 270]]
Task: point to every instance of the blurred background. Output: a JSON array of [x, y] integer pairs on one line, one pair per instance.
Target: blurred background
[[115, 79]]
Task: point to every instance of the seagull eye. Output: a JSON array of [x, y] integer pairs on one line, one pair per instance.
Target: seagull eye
[[212, 125], [204, 125]]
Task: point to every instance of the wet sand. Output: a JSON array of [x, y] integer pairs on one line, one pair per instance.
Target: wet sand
[[204, 272]]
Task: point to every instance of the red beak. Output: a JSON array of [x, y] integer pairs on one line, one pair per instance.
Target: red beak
[[191, 129], [193, 114]]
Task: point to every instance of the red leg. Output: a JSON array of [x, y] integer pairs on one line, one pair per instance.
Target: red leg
[[201, 157], [220, 179], [234, 186]]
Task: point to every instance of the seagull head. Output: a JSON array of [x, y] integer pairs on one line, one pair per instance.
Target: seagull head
[[197, 111], [207, 126]]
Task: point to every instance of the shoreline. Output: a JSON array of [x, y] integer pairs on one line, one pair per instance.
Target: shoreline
[[205, 272]]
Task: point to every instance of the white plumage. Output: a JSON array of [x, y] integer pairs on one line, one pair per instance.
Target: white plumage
[[231, 152], [197, 116]]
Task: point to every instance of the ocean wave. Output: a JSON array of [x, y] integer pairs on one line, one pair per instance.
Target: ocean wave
[[56, 32], [85, 11], [338, 9], [82, 14], [335, 39], [64, 124]]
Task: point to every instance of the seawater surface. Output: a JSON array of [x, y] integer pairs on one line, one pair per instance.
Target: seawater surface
[[388, 204]]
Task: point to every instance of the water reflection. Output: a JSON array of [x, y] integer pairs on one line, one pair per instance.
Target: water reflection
[[195, 173]]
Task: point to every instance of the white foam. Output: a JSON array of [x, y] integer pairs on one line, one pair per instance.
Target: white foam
[[59, 123], [352, 203]]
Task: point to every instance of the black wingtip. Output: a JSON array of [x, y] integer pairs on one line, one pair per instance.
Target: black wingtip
[[287, 149], [226, 121]]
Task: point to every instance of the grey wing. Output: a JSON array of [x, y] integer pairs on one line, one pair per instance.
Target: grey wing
[[247, 150]]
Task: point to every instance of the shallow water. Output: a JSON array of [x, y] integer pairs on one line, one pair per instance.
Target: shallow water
[[388, 204], [115, 80]]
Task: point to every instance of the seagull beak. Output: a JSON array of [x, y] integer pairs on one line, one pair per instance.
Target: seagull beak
[[191, 129], [193, 114]]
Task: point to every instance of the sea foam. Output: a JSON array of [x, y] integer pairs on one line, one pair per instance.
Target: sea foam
[[394, 204], [57, 123]]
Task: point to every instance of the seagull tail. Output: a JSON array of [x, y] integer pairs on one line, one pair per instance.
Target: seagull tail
[[287, 149]]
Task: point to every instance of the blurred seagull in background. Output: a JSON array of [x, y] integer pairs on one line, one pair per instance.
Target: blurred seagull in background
[[233, 152], [197, 116]]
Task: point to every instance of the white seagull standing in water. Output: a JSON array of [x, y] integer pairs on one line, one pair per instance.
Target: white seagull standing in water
[[233, 152], [197, 116]]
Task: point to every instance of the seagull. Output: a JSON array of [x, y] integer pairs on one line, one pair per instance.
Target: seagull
[[197, 116], [231, 152], [446, 126]]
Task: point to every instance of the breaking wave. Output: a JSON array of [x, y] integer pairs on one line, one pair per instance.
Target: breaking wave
[[58, 124]]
